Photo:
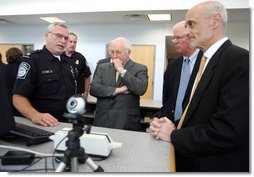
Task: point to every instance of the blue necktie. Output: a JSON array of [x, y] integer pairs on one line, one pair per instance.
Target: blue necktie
[[185, 76]]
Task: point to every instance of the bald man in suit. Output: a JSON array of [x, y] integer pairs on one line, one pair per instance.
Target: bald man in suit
[[172, 75], [118, 100], [214, 135]]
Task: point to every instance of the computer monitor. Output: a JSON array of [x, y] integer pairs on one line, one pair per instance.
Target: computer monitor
[[7, 121]]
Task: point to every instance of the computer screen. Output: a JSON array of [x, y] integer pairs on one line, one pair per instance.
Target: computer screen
[[7, 121]]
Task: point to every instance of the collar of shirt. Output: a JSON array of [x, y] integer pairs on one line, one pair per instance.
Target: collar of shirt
[[50, 56], [57, 56], [211, 50]]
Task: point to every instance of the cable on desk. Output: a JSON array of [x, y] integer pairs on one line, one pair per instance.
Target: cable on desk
[[26, 150], [53, 160], [30, 151], [26, 168]]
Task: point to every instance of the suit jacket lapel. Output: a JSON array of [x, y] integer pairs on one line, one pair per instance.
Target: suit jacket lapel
[[128, 65], [205, 79], [111, 74]]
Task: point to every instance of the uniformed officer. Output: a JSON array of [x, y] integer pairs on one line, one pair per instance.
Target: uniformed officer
[[83, 76], [45, 80]]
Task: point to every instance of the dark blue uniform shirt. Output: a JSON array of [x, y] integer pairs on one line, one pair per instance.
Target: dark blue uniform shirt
[[83, 71], [47, 82]]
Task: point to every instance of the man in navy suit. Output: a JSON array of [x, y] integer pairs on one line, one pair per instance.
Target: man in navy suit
[[174, 69], [214, 135]]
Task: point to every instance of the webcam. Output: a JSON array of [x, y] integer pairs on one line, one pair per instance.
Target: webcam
[[76, 104]]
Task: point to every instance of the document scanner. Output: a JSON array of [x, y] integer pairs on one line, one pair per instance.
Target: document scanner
[[94, 143]]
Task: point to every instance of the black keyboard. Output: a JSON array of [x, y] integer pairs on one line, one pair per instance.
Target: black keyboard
[[31, 135]]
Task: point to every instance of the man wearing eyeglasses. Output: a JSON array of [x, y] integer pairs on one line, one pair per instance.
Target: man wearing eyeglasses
[[118, 85], [45, 80], [175, 91]]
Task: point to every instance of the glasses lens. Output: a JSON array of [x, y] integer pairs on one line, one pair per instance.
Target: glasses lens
[[60, 36]]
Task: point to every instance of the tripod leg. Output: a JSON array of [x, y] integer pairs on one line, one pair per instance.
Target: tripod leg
[[61, 167], [74, 164], [65, 161], [94, 166]]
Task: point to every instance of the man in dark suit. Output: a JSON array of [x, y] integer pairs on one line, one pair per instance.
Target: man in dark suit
[[214, 134], [118, 99], [173, 72]]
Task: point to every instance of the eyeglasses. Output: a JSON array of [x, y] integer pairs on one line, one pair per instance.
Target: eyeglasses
[[60, 36], [177, 38], [117, 52]]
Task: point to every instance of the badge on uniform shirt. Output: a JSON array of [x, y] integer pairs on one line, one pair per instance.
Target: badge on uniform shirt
[[23, 70], [77, 62]]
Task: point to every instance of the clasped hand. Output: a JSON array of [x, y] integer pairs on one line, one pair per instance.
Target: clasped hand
[[161, 128]]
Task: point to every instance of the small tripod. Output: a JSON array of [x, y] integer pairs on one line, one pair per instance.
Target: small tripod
[[74, 151]]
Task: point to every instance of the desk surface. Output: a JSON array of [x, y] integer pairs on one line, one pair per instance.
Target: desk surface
[[140, 152], [144, 103]]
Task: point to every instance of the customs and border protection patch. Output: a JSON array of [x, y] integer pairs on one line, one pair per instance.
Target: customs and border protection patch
[[23, 70]]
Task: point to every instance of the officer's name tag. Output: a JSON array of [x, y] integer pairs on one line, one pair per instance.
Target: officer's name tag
[[47, 71]]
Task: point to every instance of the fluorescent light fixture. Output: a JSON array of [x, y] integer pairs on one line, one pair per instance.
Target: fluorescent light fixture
[[159, 17], [52, 19]]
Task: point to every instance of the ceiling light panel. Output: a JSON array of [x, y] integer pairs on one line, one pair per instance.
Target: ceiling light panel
[[159, 17], [52, 19]]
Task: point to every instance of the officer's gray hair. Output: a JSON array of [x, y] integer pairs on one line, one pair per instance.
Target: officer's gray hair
[[53, 25]]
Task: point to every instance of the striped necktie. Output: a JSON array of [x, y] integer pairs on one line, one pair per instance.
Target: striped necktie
[[198, 77]]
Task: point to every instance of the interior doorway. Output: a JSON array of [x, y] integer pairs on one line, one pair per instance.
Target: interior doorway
[[170, 50], [145, 54]]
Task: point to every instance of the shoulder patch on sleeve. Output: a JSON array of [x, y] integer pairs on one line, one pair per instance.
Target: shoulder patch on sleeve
[[23, 70]]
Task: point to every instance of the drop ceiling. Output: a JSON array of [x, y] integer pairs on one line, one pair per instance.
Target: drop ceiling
[[115, 17]]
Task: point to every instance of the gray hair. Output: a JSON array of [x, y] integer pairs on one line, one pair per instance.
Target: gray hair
[[53, 25], [126, 43], [212, 7]]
